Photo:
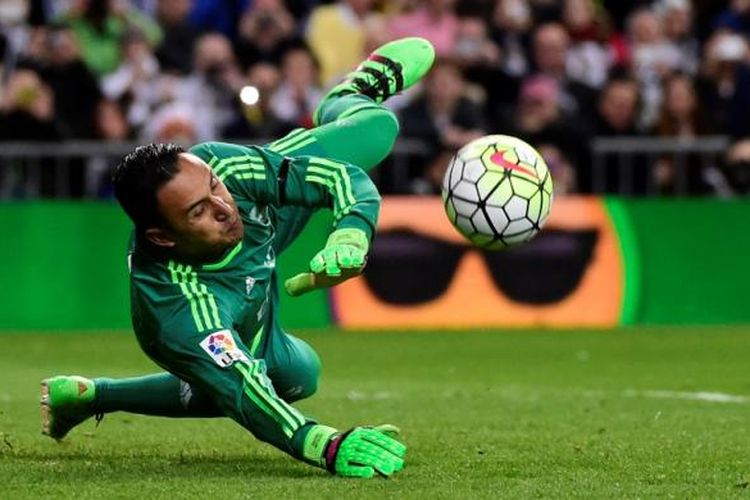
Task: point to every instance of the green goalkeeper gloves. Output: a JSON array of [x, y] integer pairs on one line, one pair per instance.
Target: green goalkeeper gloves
[[342, 258], [360, 452]]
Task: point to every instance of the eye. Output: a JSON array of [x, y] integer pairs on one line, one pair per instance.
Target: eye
[[198, 211]]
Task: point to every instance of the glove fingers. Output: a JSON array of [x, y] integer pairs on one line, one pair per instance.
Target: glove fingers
[[385, 442], [318, 263], [376, 460], [358, 258], [345, 257], [332, 264], [380, 451], [355, 470], [350, 258]]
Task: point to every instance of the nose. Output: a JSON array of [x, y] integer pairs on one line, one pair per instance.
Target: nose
[[222, 209]]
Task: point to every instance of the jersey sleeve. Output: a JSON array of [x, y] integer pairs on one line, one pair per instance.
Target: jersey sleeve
[[265, 177]]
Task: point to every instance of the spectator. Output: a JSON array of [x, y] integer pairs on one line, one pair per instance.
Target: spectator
[[587, 60], [539, 119], [219, 16], [172, 16], [725, 82], [135, 80], [98, 26], [210, 92], [546, 11], [511, 25], [473, 46], [177, 122], [550, 48], [736, 168], [75, 88], [617, 110], [434, 20], [265, 32], [681, 116], [111, 126], [479, 57], [257, 119], [654, 57], [336, 34], [443, 116], [299, 92], [27, 114], [27, 109], [677, 18], [617, 115], [735, 18]]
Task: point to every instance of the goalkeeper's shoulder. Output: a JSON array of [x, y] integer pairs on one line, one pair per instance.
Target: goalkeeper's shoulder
[[216, 149]]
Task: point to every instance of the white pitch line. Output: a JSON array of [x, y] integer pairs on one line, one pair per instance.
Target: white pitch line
[[711, 397]]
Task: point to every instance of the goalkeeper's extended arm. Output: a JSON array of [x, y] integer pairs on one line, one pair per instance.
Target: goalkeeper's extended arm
[[360, 452]]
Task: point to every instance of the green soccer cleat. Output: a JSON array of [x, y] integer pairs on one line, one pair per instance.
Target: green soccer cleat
[[390, 69], [65, 403]]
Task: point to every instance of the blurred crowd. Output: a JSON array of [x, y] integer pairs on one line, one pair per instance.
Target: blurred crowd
[[554, 72]]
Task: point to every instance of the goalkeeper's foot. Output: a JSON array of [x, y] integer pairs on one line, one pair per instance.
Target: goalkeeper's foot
[[390, 69], [65, 403]]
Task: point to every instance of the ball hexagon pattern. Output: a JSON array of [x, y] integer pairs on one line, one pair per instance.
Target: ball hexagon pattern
[[497, 191]]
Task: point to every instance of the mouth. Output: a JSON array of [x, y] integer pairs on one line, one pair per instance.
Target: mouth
[[234, 226]]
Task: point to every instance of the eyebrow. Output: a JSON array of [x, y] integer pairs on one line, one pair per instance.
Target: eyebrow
[[202, 200]]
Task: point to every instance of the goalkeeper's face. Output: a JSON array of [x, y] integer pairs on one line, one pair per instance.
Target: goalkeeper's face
[[201, 217]]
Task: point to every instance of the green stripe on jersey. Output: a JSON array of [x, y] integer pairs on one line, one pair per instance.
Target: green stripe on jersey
[[334, 176], [294, 141], [202, 302], [287, 140], [241, 165], [257, 388], [299, 145]]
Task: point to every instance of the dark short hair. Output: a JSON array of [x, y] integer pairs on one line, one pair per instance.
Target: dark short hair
[[139, 176]]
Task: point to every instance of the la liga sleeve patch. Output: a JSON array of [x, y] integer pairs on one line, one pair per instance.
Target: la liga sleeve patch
[[222, 348]]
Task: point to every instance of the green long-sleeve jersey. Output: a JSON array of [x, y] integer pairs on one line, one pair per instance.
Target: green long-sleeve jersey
[[203, 322]]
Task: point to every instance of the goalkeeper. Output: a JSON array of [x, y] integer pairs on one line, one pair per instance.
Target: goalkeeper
[[204, 294]]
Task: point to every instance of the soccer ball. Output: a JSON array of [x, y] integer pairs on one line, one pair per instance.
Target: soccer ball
[[497, 191]]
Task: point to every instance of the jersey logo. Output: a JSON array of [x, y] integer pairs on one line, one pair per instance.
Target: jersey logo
[[222, 348]]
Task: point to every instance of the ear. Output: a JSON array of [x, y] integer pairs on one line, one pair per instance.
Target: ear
[[159, 237]]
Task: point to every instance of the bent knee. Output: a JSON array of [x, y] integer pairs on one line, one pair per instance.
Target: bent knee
[[302, 390], [300, 380]]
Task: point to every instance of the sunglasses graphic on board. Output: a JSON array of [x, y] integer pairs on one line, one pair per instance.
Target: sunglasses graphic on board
[[422, 274], [407, 268]]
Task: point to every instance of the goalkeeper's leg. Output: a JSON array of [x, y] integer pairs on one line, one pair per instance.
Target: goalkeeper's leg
[[70, 400], [351, 124], [359, 132]]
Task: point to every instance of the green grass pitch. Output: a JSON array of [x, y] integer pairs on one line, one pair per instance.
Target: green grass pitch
[[631, 413]]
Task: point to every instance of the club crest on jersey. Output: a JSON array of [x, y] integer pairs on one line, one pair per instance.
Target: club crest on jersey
[[222, 348]]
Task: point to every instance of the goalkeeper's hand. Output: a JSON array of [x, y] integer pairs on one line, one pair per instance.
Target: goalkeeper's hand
[[342, 258], [360, 452]]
